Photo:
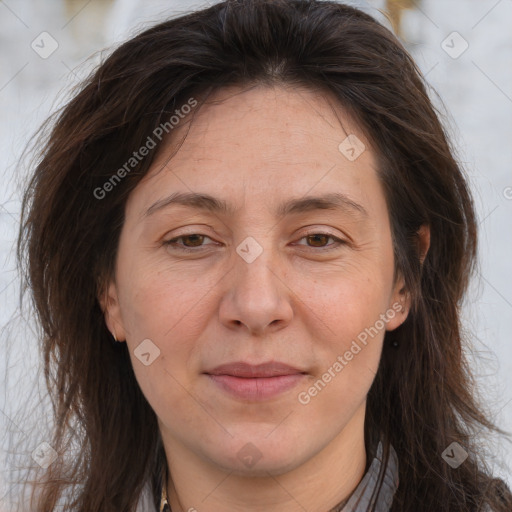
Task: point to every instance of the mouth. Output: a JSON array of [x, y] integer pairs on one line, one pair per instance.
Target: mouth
[[255, 382]]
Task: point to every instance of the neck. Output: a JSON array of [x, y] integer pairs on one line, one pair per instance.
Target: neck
[[320, 483]]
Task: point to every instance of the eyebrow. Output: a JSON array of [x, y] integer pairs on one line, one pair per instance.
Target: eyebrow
[[206, 202]]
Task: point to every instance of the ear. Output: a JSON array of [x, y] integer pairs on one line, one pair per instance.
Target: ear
[[109, 302], [423, 241], [400, 303]]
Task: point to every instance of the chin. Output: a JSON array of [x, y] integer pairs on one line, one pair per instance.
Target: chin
[[258, 457]]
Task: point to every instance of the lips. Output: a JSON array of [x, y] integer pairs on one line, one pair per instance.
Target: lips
[[246, 370], [255, 382]]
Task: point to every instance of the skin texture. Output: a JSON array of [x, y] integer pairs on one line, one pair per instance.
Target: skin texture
[[296, 302]]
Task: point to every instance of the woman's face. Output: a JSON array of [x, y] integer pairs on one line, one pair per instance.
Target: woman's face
[[276, 276]]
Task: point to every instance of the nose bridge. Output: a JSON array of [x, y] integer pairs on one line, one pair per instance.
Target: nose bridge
[[255, 268], [257, 296]]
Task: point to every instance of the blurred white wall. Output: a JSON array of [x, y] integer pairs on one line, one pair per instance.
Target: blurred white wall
[[463, 46]]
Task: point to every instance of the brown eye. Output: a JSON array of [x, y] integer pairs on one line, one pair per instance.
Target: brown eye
[[189, 243], [319, 239], [196, 240]]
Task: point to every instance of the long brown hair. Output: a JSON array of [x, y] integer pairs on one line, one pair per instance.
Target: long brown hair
[[422, 399]]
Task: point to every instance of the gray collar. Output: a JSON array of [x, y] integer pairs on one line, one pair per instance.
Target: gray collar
[[361, 499]]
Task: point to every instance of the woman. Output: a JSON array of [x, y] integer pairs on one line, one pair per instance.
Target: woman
[[247, 241]]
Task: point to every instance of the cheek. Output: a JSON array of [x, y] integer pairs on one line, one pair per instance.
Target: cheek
[[345, 302], [169, 310], [348, 348], [344, 312], [164, 303]]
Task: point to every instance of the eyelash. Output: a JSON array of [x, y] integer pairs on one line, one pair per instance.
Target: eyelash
[[172, 242]]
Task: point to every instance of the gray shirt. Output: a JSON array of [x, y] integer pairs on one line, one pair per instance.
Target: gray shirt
[[361, 498]]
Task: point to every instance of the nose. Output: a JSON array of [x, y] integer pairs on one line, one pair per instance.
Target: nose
[[258, 298]]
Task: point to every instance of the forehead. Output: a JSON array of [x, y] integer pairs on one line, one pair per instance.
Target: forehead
[[263, 142], [283, 119]]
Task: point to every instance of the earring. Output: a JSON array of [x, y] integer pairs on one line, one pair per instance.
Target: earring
[[116, 343], [402, 304]]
